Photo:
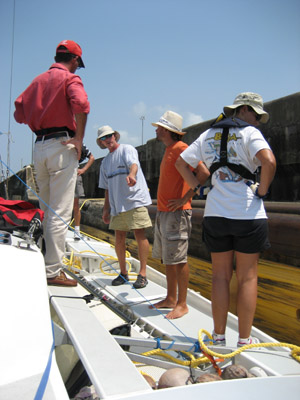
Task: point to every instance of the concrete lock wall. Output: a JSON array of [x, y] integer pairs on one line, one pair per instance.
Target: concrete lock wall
[[283, 206], [284, 229], [282, 133]]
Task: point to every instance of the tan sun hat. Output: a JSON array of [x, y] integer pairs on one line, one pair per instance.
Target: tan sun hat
[[171, 121], [103, 131], [253, 100]]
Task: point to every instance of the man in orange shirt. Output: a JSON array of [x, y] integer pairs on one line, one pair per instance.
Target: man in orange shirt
[[174, 212]]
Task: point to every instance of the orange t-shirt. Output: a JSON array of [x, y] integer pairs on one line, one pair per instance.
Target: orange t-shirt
[[171, 184]]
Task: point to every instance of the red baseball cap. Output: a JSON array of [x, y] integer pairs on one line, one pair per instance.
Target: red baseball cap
[[72, 48]]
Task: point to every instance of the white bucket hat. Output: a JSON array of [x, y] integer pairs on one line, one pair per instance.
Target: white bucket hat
[[103, 131], [171, 121], [253, 100]]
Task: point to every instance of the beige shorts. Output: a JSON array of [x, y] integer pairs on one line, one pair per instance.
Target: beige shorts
[[137, 218], [171, 236]]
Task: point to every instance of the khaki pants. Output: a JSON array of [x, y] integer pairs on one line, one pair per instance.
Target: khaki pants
[[56, 171]]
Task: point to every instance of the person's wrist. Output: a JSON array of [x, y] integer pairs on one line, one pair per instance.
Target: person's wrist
[[197, 188], [260, 195]]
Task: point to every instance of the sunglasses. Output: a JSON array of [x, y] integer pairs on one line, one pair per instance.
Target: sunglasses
[[257, 116], [106, 137]]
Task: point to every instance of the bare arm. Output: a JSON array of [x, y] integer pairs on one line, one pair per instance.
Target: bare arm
[[87, 165], [174, 204], [202, 173], [131, 177], [185, 171], [268, 169], [106, 209]]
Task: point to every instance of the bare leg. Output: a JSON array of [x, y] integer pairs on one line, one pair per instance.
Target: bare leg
[[76, 212], [246, 273], [181, 308], [171, 299], [143, 249], [120, 250], [222, 267]]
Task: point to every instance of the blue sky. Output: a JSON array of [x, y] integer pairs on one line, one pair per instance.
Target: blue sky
[[144, 57]]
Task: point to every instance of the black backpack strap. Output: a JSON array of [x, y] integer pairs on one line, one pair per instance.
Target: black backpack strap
[[223, 152], [241, 170], [223, 149], [237, 168]]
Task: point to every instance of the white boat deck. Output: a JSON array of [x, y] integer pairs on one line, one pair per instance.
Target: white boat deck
[[183, 329], [26, 333], [96, 347], [26, 336], [186, 328]]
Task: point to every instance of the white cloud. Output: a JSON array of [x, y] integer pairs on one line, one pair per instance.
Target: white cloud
[[127, 138], [96, 126], [192, 119], [140, 108], [162, 109]]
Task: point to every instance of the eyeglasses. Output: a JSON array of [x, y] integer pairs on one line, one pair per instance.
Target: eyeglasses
[[257, 116], [106, 137]]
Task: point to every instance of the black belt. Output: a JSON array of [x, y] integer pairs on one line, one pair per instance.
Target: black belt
[[51, 136], [55, 132], [46, 131]]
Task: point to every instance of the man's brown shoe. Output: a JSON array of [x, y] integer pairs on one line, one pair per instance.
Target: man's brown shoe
[[61, 280]]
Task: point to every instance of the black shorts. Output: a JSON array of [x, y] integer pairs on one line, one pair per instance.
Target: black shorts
[[246, 236]]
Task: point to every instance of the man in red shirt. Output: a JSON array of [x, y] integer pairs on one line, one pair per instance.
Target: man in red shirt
[[174, 212], [55, 107]]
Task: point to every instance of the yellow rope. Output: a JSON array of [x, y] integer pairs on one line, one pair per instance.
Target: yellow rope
[[83, 203], [72, 262], [145, 374], [193, 362], [127, 253], [111, 258], [295, 350], [105, 257], [295, 353]]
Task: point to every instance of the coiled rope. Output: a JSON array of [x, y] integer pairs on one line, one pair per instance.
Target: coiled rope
[[73, 263], [295, 350], [194, 362]]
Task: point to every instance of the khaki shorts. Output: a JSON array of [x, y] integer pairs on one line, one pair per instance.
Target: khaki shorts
[[171, 236], [137, 218]]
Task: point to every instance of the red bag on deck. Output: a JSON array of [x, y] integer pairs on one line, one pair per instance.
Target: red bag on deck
[[18, 214]]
